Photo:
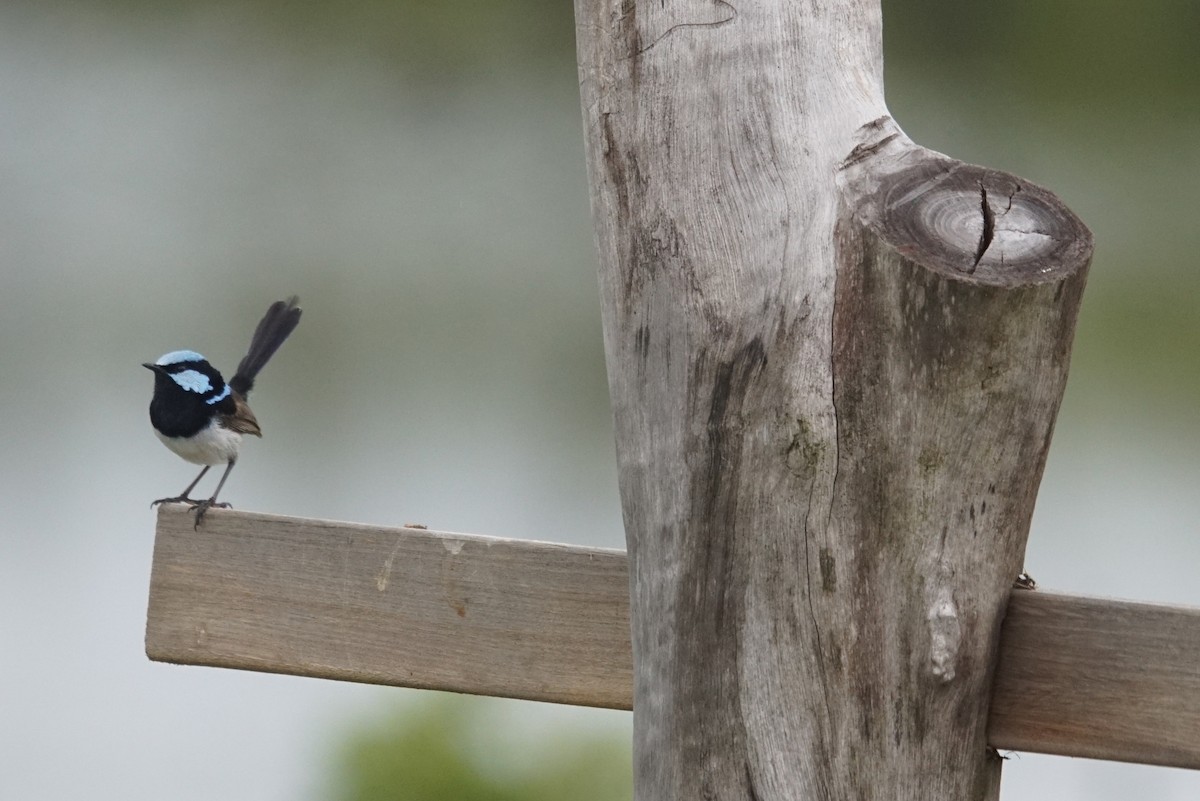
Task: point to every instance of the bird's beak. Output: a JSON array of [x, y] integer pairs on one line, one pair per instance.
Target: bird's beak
[[149, 366]]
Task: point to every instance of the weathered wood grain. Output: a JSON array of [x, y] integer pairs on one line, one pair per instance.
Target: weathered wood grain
[[1091, 677], [391, 606], [835, 359], [412, 608]]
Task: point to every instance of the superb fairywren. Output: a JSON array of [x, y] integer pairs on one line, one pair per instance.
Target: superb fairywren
[[200, 417]]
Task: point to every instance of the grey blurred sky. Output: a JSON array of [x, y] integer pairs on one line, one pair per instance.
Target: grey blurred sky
[[165, 172]]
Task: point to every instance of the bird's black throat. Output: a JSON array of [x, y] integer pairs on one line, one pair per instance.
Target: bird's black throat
[[175, 412]]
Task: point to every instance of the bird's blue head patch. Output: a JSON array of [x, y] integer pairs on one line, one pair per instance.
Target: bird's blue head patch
[[220, 396], [192, 373], [193, 381], [178, 356]]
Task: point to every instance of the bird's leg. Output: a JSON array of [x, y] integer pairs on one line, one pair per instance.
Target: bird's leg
[[201, 507], [183, 496]]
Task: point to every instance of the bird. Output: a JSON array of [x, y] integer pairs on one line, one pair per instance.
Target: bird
[[202, 418]]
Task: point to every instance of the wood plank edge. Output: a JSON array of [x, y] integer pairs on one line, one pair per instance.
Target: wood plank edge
[[1007, 737], [168, 656]]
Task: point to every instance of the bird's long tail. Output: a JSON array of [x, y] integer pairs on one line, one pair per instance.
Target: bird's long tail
[[276, 325]]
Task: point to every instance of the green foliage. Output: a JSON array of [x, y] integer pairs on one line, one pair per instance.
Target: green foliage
[[1137, 342], [1066, 51], [451, 748], [436, 41]]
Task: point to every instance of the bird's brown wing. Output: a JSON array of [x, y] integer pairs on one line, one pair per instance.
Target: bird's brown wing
[[242, 420]]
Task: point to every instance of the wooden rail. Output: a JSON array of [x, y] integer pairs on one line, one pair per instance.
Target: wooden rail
[[413, 608]]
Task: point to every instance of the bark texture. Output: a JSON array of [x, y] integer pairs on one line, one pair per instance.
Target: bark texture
[[835, 360]]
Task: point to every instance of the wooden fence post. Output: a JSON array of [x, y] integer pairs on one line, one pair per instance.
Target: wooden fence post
[[835, 359]]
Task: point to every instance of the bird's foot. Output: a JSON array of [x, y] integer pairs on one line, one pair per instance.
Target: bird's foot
[[1024, 581], [200, 508], [176, 499]]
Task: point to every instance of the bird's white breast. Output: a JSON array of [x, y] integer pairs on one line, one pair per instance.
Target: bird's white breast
[[212, 445]]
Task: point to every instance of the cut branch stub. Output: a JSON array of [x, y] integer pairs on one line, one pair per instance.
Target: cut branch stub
[[955, 306], [964, 220]]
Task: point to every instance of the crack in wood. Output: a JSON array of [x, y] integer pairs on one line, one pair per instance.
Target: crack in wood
[[714, 24], [989, 225], [750, 786], [866, 150]]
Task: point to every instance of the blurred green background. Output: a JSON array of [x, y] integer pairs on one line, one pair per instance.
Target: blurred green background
[[415, 172]]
